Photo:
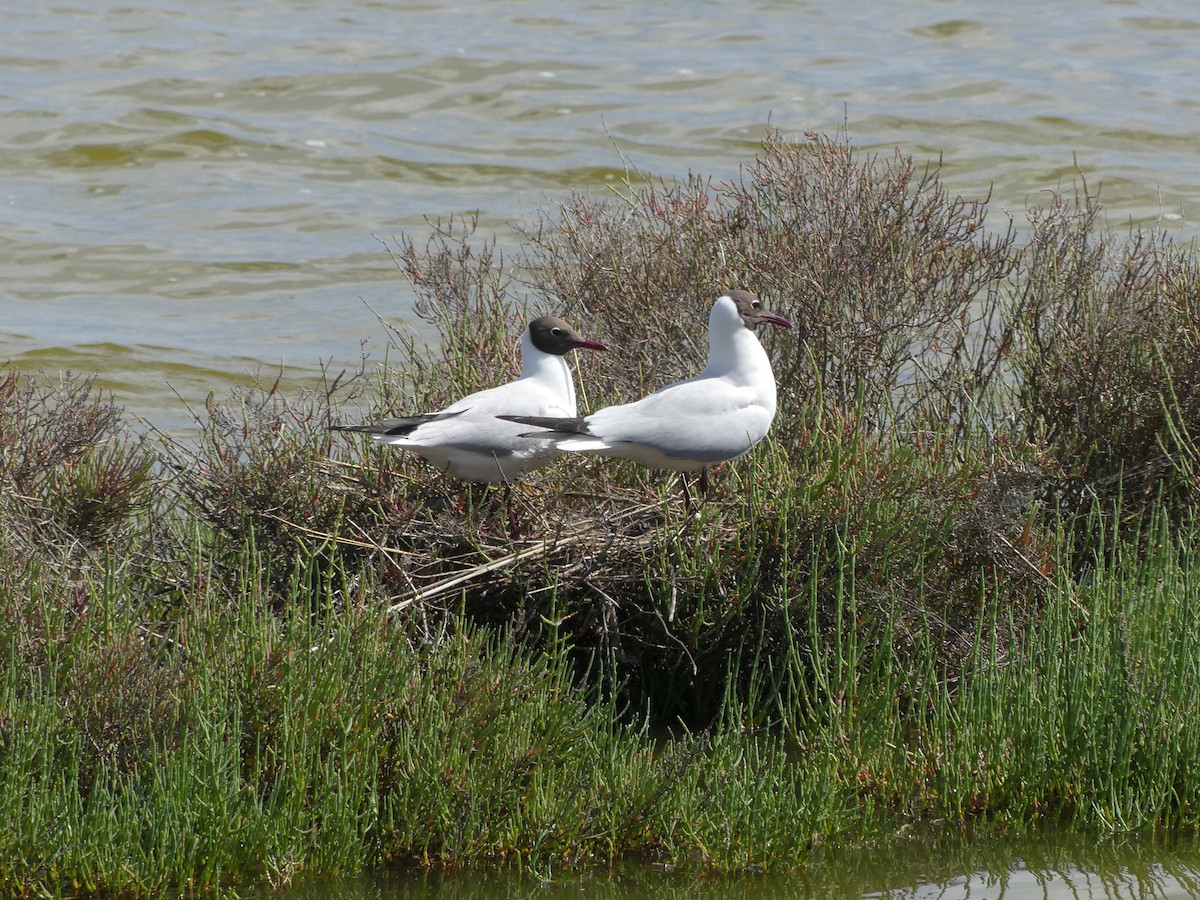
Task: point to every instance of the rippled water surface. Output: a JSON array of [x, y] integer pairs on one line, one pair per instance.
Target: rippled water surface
[[192, 191]]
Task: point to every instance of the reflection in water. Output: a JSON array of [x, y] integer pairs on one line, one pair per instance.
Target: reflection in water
[[1053, 865], [193, 191], [1049, 867]]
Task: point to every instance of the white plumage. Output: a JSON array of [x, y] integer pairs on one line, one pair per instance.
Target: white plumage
[[687, 426], [467, 439]]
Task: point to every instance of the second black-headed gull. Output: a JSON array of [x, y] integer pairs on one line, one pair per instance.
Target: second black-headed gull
[[690, 425], [468, 440]]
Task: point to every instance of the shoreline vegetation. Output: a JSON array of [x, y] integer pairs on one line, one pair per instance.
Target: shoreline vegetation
[[954, 592]]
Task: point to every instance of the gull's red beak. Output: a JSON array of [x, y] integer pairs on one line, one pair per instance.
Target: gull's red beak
[[773, 319]]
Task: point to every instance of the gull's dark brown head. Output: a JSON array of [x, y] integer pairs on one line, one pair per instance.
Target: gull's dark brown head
[[752, 311], [550, 334]]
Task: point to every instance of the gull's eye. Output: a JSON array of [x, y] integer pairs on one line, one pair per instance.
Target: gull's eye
[[556, 331], [757, 304]]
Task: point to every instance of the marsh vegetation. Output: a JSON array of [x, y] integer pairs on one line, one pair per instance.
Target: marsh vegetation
[[955, 589]]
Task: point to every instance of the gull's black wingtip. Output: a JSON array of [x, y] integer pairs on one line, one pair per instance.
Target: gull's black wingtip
[[550, 423]]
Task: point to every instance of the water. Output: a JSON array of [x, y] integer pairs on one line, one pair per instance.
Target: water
[[1048, 867], [195, 191]]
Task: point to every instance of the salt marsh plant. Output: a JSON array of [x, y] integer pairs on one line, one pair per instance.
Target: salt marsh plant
[[238, 743], [68, 470], [1107, 358], [895, 286]]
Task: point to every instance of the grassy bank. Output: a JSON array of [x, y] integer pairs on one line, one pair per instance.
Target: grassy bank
[[955, 589]]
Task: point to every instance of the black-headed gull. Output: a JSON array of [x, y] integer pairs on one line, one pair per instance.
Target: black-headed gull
[[690, 425], [467, 439]]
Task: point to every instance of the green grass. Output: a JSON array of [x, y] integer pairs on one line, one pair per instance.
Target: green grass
[[237, 744], [253, 745], [1092, 719]]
